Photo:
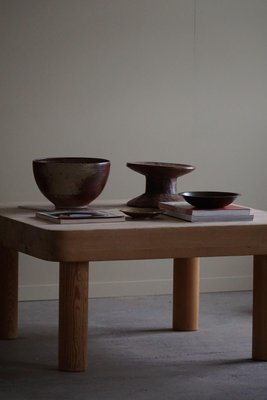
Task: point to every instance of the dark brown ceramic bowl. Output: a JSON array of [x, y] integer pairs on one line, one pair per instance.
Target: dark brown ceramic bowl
[[71, 182], [209, 199]]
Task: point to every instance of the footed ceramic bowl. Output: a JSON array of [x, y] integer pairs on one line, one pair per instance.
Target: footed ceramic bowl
[[161, 182], [71, 182]]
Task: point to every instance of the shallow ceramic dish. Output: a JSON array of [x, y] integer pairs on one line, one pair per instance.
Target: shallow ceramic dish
[[140, 213], [209, 199]]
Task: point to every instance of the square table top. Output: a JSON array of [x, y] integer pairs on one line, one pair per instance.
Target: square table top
[[160, 237]]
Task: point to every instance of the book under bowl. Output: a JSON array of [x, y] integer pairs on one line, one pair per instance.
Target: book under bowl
[[185, 211]]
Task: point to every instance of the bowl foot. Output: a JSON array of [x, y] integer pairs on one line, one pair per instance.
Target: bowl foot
[[147, 200]]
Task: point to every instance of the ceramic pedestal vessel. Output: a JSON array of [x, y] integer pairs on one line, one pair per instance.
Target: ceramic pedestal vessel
[[161, 182]]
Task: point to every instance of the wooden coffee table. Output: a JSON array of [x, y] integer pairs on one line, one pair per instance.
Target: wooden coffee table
[[74, 246]]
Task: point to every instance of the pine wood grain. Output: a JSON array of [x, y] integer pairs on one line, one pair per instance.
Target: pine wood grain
[[164, 237], [185, 294], [8, 293], [73, 316], [259, 335]]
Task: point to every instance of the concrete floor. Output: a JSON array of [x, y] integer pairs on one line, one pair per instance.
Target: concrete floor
[[133, 353]]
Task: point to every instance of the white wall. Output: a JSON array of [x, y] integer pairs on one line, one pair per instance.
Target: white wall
[[175, 80]]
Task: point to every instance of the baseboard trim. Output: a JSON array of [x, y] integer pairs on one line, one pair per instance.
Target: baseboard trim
[[137, 288], [226, 284]]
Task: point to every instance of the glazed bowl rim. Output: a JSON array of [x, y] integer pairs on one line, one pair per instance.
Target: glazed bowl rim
[[71, 160]]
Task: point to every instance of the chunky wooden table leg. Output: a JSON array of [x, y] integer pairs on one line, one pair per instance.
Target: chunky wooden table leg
[[185, 294], [73, 316], [8, 293], [259, 336]]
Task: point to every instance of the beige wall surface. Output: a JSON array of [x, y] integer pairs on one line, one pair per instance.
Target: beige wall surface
[[146, 80]]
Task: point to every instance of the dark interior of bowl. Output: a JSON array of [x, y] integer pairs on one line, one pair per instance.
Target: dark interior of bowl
[[71, 160], [209, 199]]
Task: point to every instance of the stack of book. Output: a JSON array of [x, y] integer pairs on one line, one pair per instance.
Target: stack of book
[[185, 211]]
